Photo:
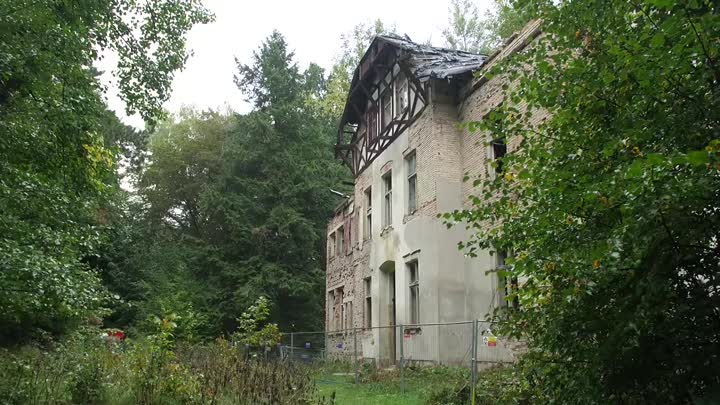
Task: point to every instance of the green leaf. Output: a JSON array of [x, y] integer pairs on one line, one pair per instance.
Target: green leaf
[[698, 158], [658, 40]]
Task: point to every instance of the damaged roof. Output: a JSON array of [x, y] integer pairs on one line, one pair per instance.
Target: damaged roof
[[435, 62]]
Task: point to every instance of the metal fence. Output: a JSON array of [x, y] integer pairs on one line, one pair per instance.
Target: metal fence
[[471, 344]]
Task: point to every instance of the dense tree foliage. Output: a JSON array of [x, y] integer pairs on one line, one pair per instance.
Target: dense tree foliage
[[59, 146], [234, 207], [611, 206]]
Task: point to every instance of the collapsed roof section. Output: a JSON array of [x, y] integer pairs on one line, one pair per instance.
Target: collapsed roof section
[[434, 62], [389, 90]]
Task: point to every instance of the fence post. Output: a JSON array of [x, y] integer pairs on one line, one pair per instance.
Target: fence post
[[402, 359], [292, 345], [473, 365], [355, 349]]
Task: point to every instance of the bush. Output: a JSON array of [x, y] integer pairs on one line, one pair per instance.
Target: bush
[[149, 370]]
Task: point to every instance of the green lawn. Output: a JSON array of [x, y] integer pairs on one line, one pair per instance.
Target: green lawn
[[371, 393]]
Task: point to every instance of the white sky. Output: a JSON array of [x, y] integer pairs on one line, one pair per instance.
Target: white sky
[[312, 29]]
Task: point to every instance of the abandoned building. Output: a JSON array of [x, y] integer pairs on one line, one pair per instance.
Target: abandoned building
[[390, 259]]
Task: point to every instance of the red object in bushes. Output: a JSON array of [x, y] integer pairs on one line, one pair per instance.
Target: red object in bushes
[[116, 334]]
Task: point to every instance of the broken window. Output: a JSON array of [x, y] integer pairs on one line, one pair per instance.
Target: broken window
[[387, 206], [368, 303], [331, 245], [340, 240], [499, 149], [386, 109], [414, 292], [410, 167], [401, 94], [372, 124], [340, 309], [331, 313], [368, 213]]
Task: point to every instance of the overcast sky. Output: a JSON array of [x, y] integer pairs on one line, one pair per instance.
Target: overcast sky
[[312, 29]]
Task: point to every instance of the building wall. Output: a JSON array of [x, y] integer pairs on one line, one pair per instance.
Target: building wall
[[452, 287]]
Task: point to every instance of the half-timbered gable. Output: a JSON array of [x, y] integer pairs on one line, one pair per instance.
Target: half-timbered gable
[[390, 89]]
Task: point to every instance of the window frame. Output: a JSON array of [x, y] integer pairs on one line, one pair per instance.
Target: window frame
[[331, 321], [414, 291], [411, 179], [367, 228], [402, 88], [387, 199], [331, 245], [340, 240], [386, 117], [372, 124], [498, 148], [367, 309]]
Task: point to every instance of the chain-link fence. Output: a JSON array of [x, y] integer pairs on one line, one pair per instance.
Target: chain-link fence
[[471, 344]]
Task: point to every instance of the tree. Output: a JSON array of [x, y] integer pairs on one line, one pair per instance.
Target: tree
[[58, 169], [470, 31], [467, 31], [354, 45], [235, 206], [611, 204]]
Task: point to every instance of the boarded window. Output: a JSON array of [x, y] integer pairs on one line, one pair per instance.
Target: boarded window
[[410, 167], [414, 285]]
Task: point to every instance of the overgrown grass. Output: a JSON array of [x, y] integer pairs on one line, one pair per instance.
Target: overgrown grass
[[156, 370], [383, 386], [152, 370]]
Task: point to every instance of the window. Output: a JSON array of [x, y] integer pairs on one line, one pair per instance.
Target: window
[[340, 238], [414, 292], [386, 108], [338, 309], [342, 316], [331, 245], [499, 150], [410, 167], [368, 213], [348, 242], [331, 314], [350, 315], [368, 303], [372, 130], [401, 95], [387, 207], [507, 285]]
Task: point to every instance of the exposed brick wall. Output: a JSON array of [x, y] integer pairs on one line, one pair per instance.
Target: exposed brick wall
[[482, 97]]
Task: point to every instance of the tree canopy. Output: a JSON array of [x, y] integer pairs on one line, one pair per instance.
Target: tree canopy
[[236, 205], [59, 145], [610, 207]]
